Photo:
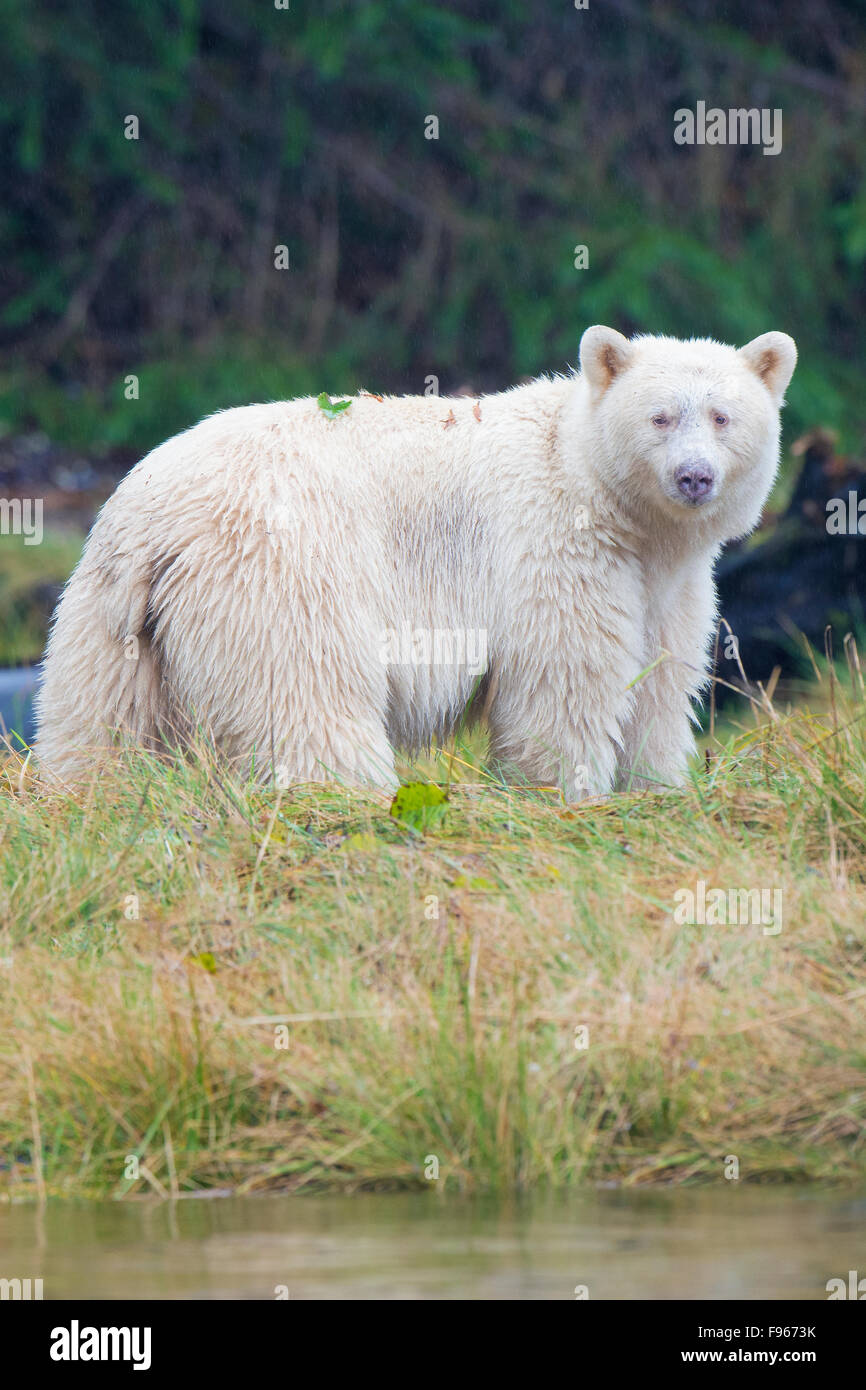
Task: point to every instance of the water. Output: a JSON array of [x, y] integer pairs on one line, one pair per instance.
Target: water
[[732, 1242], [17, 688]]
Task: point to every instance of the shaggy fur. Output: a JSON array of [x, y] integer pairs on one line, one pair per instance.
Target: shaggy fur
[[245, 574]]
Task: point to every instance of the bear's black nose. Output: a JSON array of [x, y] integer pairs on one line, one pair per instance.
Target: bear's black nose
[[695, 480]]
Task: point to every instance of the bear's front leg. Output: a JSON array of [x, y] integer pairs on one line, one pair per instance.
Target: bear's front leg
[[551, 734], [565, 653], [659, 737]]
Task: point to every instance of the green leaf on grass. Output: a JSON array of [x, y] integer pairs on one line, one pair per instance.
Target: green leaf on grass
[[361, 842], [475, 885], [419, 805], [207, 961]]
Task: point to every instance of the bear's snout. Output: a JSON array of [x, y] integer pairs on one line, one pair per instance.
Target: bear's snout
[[696, 480]]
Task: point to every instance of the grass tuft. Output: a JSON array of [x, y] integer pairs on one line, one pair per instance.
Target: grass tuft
[[207, 985]]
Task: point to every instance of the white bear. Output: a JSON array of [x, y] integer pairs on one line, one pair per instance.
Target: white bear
[[317, 588]]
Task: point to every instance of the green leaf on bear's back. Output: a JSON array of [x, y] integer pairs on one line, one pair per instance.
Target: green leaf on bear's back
[[419, 805], [331, 408]]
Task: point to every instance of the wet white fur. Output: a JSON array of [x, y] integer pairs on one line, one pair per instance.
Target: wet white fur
[[244, 573]]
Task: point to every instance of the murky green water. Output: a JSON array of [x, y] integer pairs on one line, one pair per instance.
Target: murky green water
[[734, 1242]]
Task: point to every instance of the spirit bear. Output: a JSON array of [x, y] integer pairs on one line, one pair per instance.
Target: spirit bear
[[281, 575]]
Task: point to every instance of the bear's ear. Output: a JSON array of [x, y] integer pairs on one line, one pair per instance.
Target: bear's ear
[[773, 358], [604, 354]]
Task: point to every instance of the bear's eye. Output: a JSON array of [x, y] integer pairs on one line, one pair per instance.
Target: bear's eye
[[661, 420], [719, 418]]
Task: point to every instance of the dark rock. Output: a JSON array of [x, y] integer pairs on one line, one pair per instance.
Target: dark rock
[[795, 576]]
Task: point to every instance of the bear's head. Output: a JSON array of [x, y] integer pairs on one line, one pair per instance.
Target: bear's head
[[686, 430]]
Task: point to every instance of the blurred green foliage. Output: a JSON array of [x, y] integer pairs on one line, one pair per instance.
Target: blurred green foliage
[[409, 257]]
